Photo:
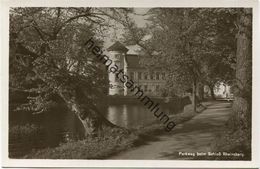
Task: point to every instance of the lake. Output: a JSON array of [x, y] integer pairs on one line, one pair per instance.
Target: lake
[[61, 125], [131, 115]]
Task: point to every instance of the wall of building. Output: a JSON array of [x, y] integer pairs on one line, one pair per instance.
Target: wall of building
[[151, 83], [116, 87]]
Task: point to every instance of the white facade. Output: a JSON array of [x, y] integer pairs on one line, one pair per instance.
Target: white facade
[[151, 83], [116, 86]]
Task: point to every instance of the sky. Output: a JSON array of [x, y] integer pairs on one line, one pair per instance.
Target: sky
[[115, 34], [140, 20]]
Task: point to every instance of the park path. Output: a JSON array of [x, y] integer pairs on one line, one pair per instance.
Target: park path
[[193, 136]]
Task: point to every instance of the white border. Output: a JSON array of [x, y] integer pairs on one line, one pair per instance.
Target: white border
[[5, 4]]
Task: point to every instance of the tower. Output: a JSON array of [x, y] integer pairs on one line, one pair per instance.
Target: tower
[[117, 53]]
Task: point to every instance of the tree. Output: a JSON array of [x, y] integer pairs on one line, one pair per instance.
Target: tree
[[239, 124], [196, 47], [220, 48], [174, 45], [242, 106], [48, 60]]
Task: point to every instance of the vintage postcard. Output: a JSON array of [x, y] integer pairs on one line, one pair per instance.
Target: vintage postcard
[[142, 84]]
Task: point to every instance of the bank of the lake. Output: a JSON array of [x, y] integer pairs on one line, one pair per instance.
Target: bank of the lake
[[58, 125], [103, 147]]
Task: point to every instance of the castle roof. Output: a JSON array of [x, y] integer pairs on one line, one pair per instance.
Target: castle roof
[[117, 46], [133, 54], [134, 50]]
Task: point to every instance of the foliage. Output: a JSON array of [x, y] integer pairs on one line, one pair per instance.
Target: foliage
[[198, 49], [220, 48], [90, 148], [189, 44], [23, 138], [47, 52], [238, 137], [230, 141], [28, 131]]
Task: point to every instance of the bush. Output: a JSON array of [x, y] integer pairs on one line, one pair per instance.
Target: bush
[[233, 141], [89, 148], [24, 132], [23, 139]]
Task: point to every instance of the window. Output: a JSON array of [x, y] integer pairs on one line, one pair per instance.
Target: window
[[145, 88], [117, 56], [157, 76], [139, 75], [151, 76], [145, 76], [132, 75], [163, 76], [116, 79], [157, 88]]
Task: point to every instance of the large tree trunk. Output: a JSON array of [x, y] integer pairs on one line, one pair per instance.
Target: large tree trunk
[[75, 97], [243, 92], [194, 99], [92, 120], [211, 88], [200, 91]]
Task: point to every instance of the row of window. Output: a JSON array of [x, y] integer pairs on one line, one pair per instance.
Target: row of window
[[145, 88], [147, 76]]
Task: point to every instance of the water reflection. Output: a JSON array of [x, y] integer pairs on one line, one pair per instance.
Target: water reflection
[[130, 116], [61, 125]]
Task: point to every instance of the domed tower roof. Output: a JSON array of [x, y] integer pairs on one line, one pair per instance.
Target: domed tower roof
[[117, 46]]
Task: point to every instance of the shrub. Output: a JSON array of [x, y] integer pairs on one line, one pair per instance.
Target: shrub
[[23, 139], [26, 131], [89, 148]]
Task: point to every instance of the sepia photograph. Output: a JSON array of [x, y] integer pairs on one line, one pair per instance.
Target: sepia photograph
[[130, 83]]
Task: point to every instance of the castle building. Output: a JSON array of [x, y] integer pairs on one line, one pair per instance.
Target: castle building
[[128, 59]]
